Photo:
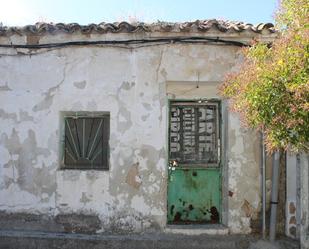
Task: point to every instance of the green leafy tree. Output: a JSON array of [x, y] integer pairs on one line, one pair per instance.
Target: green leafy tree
[[271, 89]]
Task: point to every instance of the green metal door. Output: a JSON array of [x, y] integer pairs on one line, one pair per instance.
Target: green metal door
[[194, 175]]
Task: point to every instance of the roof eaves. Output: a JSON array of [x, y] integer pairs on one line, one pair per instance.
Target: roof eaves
[[125, 27]]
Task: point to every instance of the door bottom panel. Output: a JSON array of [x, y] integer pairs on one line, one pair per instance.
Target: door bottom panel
[[194, 196]]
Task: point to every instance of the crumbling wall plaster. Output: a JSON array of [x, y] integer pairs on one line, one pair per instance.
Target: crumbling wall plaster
[[131, 85], [292, 196], [244, 176], [303, 162]]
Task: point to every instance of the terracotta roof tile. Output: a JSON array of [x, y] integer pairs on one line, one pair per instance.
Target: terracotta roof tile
[[124, 27]]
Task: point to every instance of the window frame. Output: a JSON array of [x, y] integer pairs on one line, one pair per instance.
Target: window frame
[[105, 133]]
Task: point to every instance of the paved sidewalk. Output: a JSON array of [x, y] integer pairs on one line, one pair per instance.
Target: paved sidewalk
[[37, 240]]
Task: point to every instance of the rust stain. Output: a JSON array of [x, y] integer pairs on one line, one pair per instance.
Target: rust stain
[[247, 208], [292, 208], [177, 217], [133, 177], [292, 220], [214, 215], [33, 39]]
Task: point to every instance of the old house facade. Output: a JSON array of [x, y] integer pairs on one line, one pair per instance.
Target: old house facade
[[122, 125]]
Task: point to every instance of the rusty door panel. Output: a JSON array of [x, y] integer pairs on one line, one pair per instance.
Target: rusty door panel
[[194, 196]]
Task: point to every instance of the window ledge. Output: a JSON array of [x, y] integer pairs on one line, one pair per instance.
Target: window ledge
[[81, 169]]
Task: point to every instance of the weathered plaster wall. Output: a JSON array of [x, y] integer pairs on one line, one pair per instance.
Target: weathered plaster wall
[[133, 85], [303, 164], [244, 176], [292, 196]]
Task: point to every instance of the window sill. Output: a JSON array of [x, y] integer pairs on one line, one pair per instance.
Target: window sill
[[81, 169]]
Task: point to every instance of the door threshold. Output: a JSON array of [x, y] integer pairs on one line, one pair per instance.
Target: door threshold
[[208, 229]]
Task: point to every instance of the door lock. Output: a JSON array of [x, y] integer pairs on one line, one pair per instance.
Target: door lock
[[172, 164]]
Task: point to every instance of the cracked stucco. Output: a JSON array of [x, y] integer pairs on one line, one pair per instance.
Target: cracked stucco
[[133, 85], [244, 176]]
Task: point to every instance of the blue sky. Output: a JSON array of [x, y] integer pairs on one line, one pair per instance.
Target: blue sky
[[22, 12]]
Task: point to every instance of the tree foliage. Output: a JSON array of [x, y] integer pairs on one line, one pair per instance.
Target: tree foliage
[[271, 89]]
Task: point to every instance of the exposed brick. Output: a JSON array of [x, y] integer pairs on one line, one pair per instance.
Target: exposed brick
[[292, 220], [292, 208]]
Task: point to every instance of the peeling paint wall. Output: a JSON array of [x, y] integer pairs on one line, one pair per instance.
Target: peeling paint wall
[[243, 176], [292, 197], [134, 86], [303, 164]]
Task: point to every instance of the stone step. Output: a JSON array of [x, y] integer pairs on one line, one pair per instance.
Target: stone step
[[213, 229], [35, 239]]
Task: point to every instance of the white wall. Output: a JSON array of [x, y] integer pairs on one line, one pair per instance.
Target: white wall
[[131, 84]]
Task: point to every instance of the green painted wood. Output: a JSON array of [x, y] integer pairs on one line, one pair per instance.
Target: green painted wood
[[194, 196]]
